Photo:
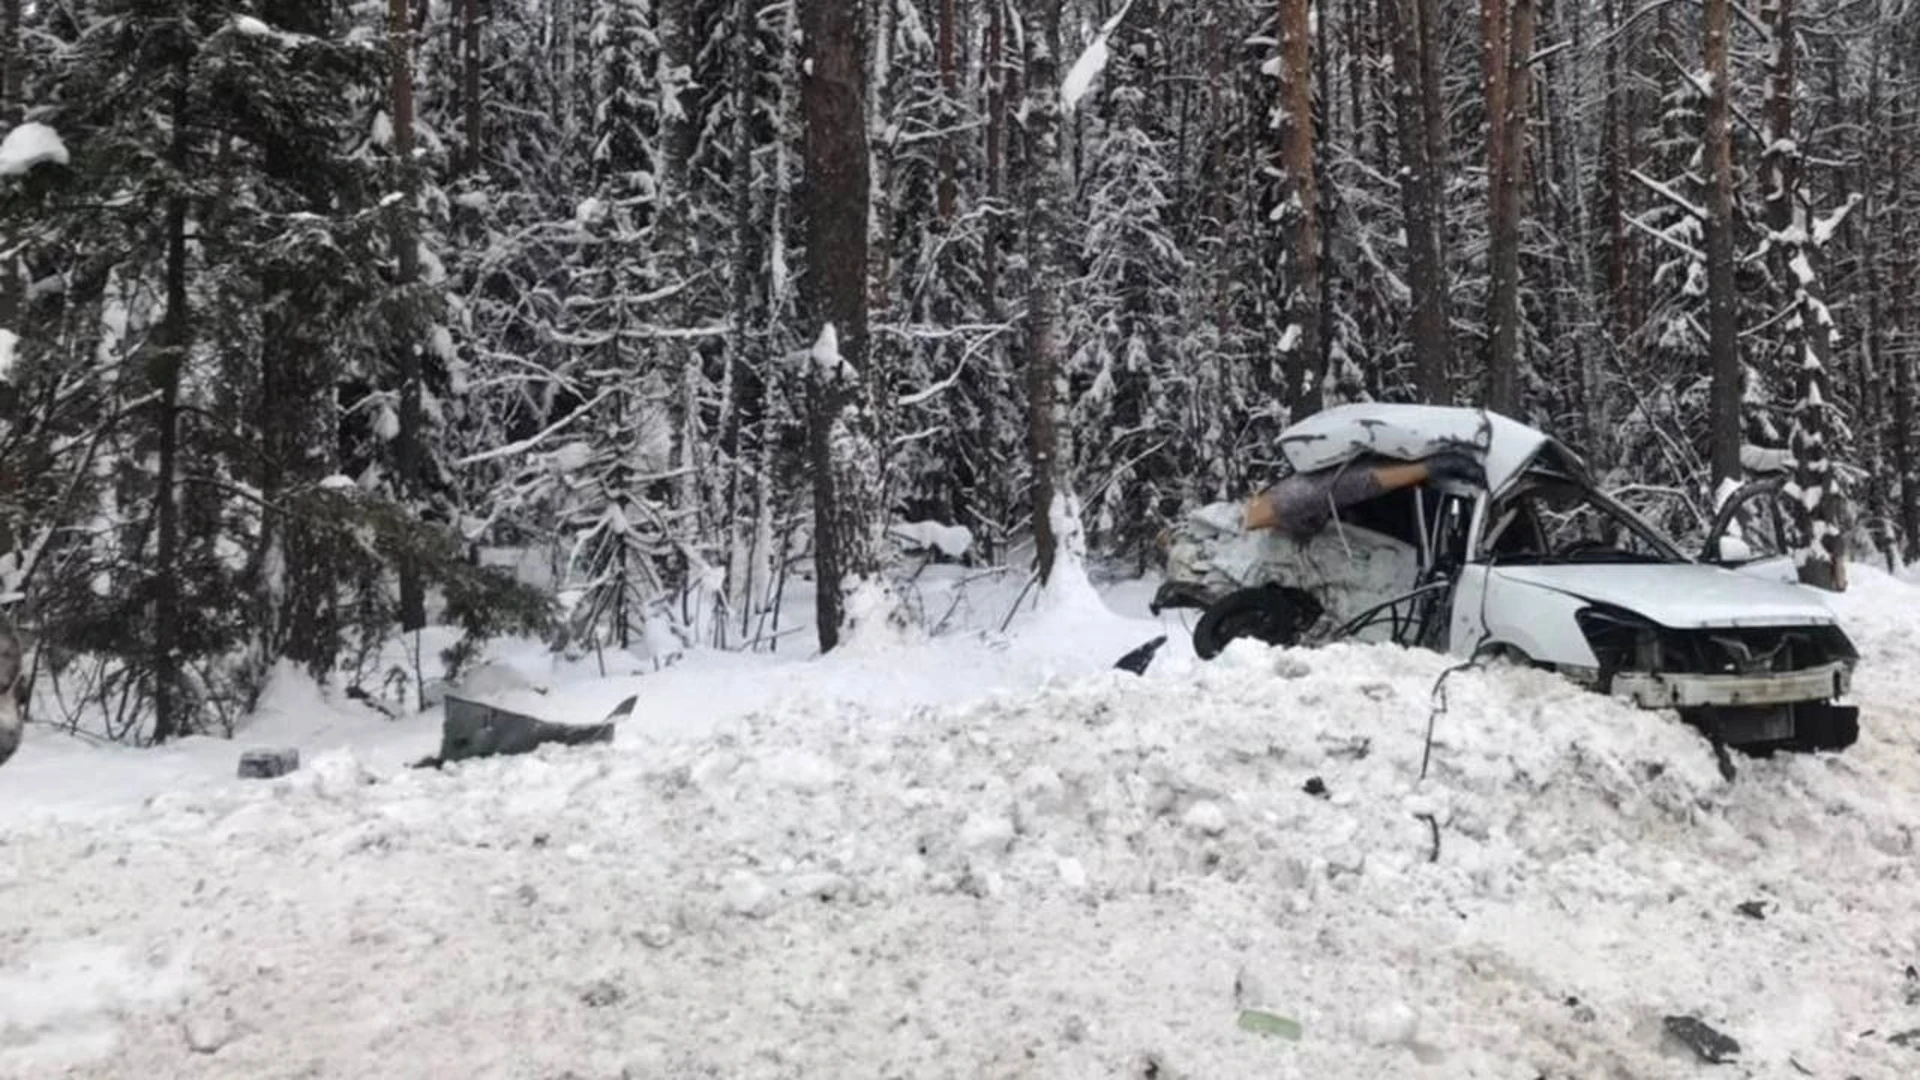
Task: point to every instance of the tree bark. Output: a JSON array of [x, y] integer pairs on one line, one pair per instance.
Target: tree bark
[[1819, 510], [1508, 50], [405, 344], [745, 386], [947, 157], [835, 205], [1723, 326], [994, 65], [1618, 147], [12, 65], [164, 367], [1883, 485], [1420, 200], [470, 90], [1046, 347], [1781, 157], [1902, 338], [11, 79], [1302, 343]]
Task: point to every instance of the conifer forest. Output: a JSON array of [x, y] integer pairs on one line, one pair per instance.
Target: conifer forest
[[318, 317]]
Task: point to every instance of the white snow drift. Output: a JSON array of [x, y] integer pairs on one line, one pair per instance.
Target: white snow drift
[[1089, 878], [28, 145]]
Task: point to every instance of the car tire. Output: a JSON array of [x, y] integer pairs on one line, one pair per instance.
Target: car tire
[[1274, 614]]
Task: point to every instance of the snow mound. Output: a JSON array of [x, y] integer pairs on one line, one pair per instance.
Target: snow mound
[[1078, 881], [952, 541], [28, 145]]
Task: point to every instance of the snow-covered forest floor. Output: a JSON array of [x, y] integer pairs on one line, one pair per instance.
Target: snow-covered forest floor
[[983, 855]]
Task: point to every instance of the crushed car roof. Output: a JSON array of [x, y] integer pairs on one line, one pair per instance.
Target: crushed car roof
[[1505, 447]]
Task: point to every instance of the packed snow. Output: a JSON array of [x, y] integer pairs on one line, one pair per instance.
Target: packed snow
[[29, 145], [952, 541], [252, 27], [982, 854]]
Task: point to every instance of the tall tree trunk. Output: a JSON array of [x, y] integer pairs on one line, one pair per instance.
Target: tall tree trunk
[[746, 390], [672, 178], [1904, 335], [1819, 508], [1302, 343], [11, 80], [1356, 24], [1046, 344], [405, 343], [1326, 115], [1493, 73], [994, 64], [1420, 201], [164, 367], [12, 65], [1873, 412], [470, 88], [947, 157], [836, 205], [1723, 317], [1573, 316], [1508, 50], [1781, 157], [1618, 148], [878, 102]]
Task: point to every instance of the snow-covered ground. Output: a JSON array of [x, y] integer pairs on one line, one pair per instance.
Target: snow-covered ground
[[982, 855]]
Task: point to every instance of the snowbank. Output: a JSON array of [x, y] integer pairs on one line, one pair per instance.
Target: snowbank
[[963, 859], [28, 145]]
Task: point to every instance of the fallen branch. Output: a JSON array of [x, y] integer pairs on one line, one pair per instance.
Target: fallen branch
[[1434, 825]]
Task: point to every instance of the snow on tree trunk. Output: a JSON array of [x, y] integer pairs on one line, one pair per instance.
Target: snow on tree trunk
[[947, 153], [866, 608], [1820, 508], [1046, 347], [1819, 505], [1903, 341], [1723, 315], [835, 206], [1067, 587], [166, 364], [1301, 342], [406, 253]]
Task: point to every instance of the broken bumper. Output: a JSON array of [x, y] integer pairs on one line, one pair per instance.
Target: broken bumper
[[1651, 691]]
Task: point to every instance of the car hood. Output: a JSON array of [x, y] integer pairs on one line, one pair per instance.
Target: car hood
[[1682, 595]]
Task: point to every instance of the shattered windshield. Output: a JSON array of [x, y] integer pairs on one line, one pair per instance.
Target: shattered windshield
[[1555, 520]]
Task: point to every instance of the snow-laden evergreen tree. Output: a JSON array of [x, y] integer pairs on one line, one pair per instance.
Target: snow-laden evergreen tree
[[1131, 384]]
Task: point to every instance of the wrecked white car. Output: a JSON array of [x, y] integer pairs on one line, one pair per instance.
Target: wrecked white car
[[1467, 532]]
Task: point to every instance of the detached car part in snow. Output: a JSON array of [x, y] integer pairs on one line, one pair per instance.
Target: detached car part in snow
[[473, 730], [1464, 531]]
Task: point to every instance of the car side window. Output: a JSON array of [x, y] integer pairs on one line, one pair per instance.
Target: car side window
[[1516, 530], [1395, 514]]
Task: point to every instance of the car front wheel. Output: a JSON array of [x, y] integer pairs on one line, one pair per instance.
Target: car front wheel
[[1274, 614]]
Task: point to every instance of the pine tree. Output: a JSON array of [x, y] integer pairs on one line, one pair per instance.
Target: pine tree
[[844, 458]]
